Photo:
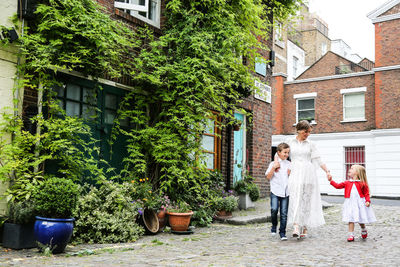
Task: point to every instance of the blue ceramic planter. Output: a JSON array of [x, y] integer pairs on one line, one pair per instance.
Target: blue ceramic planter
[[54, 233]]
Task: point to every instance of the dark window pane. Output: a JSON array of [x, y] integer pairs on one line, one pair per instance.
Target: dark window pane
[[73, 92], [305, 104]]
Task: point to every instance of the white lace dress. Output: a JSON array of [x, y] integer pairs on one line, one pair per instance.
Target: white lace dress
[[305, 207]]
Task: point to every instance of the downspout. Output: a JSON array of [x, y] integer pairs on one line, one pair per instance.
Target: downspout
[[228, 158]]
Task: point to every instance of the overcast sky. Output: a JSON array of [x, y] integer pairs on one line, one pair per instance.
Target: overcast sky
[[347, 20]]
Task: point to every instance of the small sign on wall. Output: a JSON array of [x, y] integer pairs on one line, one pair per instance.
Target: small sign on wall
[[263, 92]]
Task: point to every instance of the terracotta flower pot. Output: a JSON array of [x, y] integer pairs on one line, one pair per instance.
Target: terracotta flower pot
[[179, 222], [162, 220], [224, 214]]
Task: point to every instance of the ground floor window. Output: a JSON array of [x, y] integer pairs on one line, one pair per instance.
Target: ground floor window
[[353, 155], [211, 144]]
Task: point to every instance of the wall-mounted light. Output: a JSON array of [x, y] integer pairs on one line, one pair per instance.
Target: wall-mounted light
[[10, 34]]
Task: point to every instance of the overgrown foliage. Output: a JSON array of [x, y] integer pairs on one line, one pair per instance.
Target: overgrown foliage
[[106, 215], [191, 73]]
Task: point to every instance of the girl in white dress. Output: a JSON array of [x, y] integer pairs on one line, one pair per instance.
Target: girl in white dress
[[356, 206], [305, 208]]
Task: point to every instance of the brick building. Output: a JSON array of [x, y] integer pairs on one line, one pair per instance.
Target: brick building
[[235, 153], [354, 108]]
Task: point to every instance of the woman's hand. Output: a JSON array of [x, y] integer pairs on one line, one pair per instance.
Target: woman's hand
[[367, 204], [328, 175]]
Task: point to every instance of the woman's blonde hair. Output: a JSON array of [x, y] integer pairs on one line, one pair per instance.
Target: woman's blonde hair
[[361, 173]]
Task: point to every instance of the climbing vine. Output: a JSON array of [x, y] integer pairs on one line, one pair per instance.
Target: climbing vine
[[193, 71]]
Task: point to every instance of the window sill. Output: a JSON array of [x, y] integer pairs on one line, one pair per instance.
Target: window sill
[[312, 123], [354, 120]]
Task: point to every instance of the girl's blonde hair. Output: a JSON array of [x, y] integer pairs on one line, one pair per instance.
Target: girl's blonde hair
[[361, 173]]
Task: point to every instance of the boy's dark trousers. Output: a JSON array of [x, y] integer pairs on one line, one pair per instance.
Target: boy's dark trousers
[[281, 203]]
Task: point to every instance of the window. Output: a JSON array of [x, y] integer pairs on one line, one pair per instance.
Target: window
[[211, 145], [148, 11], [77, 101], [306, 109], [295, 66], [323, 48], [353, 104], [278, 35], [261, 66], [353, 155]]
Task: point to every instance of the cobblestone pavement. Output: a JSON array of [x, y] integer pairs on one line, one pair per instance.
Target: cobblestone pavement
[[249, 245]]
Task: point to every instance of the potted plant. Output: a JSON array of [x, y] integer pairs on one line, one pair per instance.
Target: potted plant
[[54, 200], [18, 226], [225, 205], [179, 216], [247, 191]]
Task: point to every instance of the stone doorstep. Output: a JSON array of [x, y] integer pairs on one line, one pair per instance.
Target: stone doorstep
[[256, 218]]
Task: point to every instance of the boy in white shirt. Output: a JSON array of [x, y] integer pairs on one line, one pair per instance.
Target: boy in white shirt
[[278, 173]]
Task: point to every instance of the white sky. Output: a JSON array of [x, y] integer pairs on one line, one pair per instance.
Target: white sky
[[347, 20]]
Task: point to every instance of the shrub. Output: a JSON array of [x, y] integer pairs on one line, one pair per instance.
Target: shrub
[[21, 212], [227, 204], [107, 215], [247, 186], [55, 198], [254, 191]]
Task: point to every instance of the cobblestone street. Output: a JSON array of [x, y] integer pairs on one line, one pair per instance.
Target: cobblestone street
[[248, 245]]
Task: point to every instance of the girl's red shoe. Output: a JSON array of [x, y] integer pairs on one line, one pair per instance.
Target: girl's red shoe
[[364, 234], [350, 239]]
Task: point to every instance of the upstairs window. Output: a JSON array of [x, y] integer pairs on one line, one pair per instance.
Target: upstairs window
[[295, 66], [305, 107], [148, 11], [353, 104], [261, 66]]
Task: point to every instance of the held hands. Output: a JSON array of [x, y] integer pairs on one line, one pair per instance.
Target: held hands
[[329, 176], [367, 204]]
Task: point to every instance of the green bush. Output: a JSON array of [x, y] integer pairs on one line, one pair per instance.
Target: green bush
[[247, 186], [228, 203], [254, 191], [21, 212], [55, 198], [107, 215]]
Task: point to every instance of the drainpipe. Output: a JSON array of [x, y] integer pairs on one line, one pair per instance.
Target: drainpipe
[[228, 158]]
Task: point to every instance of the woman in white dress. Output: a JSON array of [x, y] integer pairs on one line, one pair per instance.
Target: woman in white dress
[[305, 208]]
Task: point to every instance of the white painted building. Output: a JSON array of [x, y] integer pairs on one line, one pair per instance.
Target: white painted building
[[295, 60], [382, 154], [8, 67]]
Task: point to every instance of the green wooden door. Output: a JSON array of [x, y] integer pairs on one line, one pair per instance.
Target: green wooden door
[[78, 98]]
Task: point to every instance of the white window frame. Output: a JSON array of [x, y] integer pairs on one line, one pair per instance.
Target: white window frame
[[350, 91], [295, 66], [136, 8], [359, 149], [304, 96], [279, 35]]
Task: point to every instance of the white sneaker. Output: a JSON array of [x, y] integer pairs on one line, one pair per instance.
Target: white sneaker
[[273, 233], [283, 238]]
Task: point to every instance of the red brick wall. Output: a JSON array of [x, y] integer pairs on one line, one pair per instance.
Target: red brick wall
[[325, 66], [329, 104], [278, 104], [387, 43], [387, 97]]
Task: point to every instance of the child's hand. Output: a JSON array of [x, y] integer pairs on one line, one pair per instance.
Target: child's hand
[[367, 204], [276, 165], [329, 177]]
